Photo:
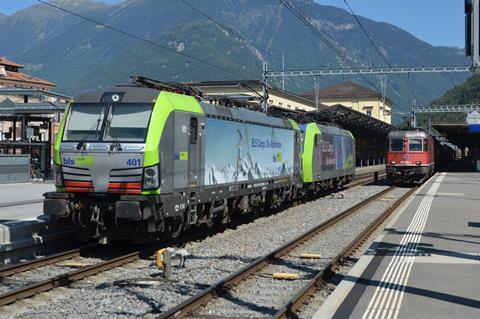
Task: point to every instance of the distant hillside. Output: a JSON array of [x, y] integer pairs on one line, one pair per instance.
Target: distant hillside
[[77, 54], [466, 93]]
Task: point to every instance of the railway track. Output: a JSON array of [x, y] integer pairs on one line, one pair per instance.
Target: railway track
[[44, 261], [198, 305], [32, 289], [60, 280]]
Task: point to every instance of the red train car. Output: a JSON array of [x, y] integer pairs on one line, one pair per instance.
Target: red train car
[[410, 157]]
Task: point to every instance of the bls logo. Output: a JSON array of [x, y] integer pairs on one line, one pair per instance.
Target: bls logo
[[68, 161]]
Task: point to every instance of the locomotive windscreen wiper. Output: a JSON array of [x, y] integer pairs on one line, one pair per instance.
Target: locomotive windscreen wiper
[[85, 136], [116, 144]]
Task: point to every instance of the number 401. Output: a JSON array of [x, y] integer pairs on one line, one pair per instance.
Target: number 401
[[133, 162]]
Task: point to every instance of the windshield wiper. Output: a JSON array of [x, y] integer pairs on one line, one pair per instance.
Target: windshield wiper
[[116, 144], [90, 130]]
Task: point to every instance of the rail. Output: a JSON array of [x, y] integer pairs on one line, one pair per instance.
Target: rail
[[223, 286], [289, 309], [65, 279]]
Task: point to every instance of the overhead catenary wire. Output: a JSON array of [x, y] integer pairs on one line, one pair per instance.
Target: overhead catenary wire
[[236, 34], [142, 39], [379, 52], [227, 29], [329, 43], [296, 12]]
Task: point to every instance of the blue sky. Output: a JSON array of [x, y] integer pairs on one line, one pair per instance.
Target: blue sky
[[439, 22]]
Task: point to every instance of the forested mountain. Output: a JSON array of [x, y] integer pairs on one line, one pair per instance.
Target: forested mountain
[[467, 92], [78, 54]]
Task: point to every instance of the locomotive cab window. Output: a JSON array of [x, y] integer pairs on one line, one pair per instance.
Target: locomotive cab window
[[425, 145], [396, 144], [84, 122], [128, 122], [193, 130], [415, 144], [102, 122]]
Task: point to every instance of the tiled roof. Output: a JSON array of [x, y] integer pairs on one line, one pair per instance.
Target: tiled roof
[[25, 78], [5, 61], [347, 89]]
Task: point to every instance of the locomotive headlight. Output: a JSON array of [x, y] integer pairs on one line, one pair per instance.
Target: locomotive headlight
[[57, 175], [150, 172], [150, 177], [393, 162], [418, 162]]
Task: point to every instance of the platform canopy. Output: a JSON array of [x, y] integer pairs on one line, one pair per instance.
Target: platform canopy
[[353, 120], [10, 108], [458, 133]]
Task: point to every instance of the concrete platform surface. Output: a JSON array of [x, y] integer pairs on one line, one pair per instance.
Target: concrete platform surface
[[23, 193], [426, 264], [24, 229]]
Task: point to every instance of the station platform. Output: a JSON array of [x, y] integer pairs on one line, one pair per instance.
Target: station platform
[[369, 169], [24, 229], [425, 264], [23, 193]]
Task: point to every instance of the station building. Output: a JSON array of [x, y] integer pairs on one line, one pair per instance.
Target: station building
[[355, 97], [29, 117], [250, 90], [17, 87], [10, 76]]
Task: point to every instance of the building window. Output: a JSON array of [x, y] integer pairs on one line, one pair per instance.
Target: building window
[[289, 106], [280, 103], [369, 112], [270, 101]]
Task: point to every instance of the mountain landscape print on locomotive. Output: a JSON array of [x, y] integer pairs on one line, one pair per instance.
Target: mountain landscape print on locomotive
[[249, 152]]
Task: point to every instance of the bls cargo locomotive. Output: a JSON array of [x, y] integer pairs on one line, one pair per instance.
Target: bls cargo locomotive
[[144, 163], [413, 156]]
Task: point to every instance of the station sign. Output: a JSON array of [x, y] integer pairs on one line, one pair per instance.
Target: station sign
[[473, 121]]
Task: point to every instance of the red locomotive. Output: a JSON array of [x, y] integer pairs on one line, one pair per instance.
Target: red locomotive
[[411, 156]]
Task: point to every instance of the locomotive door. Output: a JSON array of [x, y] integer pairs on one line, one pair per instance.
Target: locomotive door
[[193, 174], [317, 157]]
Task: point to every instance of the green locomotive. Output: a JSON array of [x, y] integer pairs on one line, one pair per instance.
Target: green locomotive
[[144, 163]]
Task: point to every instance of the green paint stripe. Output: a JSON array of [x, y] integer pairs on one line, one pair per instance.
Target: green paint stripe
[[351, 134], [294, 125], [58, 138], [307, 156], [166, 103], [85, 161]]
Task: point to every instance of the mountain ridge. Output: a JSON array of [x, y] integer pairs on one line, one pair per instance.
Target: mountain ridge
[[77, 54]]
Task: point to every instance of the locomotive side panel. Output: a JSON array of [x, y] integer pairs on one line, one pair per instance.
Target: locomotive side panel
[[338, 152], [328, 153], [248, 153]]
